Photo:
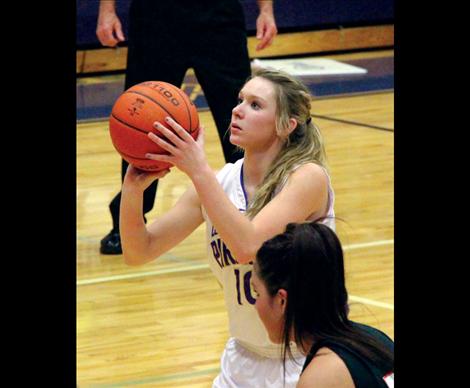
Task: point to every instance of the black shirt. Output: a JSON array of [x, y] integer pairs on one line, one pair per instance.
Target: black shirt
[[363, 372]]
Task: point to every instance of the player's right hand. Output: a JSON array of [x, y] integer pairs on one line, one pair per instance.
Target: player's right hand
[[109, 29], [139, 179]]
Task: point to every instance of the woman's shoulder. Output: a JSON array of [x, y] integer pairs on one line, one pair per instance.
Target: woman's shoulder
[[309, 169], [326, 369], [310, 174]]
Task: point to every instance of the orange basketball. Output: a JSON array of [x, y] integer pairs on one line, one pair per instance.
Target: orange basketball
[[134, 113]]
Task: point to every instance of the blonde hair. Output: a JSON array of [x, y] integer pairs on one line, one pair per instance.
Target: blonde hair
[[303, 145]]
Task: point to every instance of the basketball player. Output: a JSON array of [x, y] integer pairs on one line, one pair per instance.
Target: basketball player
[[281, 179], [166, 37], [301, 296]]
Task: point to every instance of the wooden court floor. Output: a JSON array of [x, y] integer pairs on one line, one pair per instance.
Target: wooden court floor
[[164, 324]]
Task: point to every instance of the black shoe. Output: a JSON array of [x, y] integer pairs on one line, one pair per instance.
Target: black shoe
[[111, 244]]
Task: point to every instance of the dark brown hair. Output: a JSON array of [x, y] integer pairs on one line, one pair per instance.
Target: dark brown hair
[[307, 261]]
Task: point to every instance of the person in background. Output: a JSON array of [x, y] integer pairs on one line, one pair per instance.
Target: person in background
[[166, 38]]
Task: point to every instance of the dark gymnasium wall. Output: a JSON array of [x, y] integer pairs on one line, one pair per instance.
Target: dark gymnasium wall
[[291, 16]]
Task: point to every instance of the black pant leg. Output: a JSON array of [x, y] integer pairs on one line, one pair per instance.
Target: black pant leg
[[149, 198], [152, 56], [174, 76], [222, 66]]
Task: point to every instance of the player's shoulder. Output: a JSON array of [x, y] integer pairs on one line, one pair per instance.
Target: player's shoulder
[[309, 174], [326, 369], [309, 169]]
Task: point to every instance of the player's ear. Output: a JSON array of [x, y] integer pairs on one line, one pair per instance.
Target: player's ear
[[282, 298], [286, 131], [292, 125]]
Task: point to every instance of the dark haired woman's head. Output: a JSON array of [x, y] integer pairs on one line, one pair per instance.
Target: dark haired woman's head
[[299, 278]]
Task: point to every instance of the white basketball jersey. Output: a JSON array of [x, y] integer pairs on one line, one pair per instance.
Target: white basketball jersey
[[245, 324]]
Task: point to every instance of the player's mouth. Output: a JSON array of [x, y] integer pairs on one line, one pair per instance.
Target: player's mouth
[[234, 127]]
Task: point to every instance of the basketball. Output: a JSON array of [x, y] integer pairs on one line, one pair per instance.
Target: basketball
[[134, 113]]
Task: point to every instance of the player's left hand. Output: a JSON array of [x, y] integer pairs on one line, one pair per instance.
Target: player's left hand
[[186, 153]]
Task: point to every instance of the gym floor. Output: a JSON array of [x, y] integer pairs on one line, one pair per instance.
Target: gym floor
[[164, 324]]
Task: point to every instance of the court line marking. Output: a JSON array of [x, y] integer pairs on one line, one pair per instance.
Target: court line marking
[[371, 302], [368, 244], [353, 123], [157, 379], [201, 266], [142, 274]]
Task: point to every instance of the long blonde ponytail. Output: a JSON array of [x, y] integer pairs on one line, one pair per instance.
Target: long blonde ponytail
[[303, 145]]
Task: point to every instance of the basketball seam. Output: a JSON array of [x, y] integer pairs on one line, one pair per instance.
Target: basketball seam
[[187, 109], [127, 124], [151, 99]]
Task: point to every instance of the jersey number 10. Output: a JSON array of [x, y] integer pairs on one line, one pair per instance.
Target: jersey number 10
[[246, 287]]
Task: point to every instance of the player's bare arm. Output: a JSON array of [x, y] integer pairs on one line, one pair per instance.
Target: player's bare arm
[[142, 244]]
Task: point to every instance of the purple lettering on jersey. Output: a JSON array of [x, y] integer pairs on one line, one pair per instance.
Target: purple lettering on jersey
[[216, 253], [237, 275], [219, 249], [247, 287], [213, 232], [227, 255], [222, 254]]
